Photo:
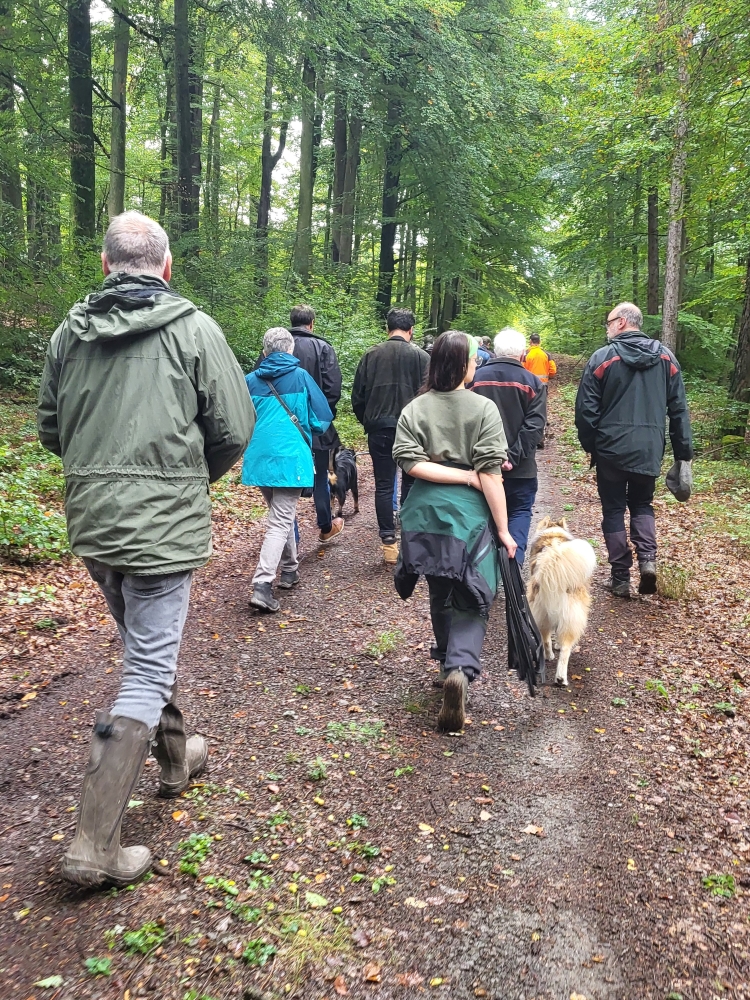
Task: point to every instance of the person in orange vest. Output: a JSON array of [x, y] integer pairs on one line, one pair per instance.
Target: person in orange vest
[[538, 361]]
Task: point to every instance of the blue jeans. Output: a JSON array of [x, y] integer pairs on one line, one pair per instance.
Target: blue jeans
[[321, 489], [520, 495]]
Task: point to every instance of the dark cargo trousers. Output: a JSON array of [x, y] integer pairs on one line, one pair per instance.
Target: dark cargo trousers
[[458, 626], [618, 491]]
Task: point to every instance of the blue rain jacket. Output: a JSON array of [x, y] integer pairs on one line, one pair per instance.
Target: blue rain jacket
[[277, 455]]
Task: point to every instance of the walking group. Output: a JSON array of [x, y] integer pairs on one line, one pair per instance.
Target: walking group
[[146, 404]]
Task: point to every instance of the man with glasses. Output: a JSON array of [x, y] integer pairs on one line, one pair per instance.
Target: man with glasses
[[627, 391]]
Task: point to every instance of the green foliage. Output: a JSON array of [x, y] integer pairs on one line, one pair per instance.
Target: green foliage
[[98, 966], [385, 643], [222, 884], [257, 952], [367, 850], [357, 821], [720, 885], [144, 940], [358, 732], [193, 852], [317, 770]]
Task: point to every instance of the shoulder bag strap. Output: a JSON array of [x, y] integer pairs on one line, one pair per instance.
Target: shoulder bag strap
[[292, 416]]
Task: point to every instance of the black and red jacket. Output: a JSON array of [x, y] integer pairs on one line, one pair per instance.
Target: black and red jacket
[[521, 399], [627, 391]]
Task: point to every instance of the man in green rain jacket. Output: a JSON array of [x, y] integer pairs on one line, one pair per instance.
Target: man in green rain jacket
[[146, 404]]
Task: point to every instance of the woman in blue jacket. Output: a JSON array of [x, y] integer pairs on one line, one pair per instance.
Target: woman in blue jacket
[[290, 408]]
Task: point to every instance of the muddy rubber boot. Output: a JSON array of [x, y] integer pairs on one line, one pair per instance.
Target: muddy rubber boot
[[647, 583], [119, 748], [263, 598], [453, 710], [180, 758]]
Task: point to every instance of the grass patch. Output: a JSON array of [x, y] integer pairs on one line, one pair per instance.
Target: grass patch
[[674, 582], [309, 940], [317, 771], [385, 643], [358, 732]]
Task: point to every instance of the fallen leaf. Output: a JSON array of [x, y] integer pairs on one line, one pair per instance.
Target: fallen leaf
[[597, 958], [178, 814], [484, 815], [480, 991], [426, 828], [339, 984], [58, 836], [355, 708], [50, 983], [30, 697], [600, 730], [347, 685], [409, 979], [436, 981], [372, 973], [632, 867], [577, 996], [273, 789], [534, 831], [314, 901], [418, 904], [360, 938]]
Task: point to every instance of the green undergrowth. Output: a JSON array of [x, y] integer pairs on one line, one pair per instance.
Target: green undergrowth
[[32, 526]]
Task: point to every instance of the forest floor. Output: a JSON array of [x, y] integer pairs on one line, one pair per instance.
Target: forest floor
[[590, 843]]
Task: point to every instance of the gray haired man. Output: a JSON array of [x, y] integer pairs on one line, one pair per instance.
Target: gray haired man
[[146, 404]]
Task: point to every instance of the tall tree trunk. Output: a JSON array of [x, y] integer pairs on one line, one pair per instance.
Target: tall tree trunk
[[391, 179], [187, 208], [350, 188], [82, 164], [635, 244], [740, 384], [339, 171], [320, 96], [11, 192], [652, 292], [609, 291], [213, 159], [303, 242], [671, 304], [165, 161], [435, 304], [268, 161], [116, 201], [196, 73]]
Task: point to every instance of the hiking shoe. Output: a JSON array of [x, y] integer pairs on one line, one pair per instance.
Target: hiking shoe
[[119, 747], [647, 583], [620, 586], [453, 710], [390, 553], [288, 580], [263, 598], [337, 526]]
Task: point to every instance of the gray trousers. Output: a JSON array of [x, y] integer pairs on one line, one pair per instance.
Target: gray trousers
[[279, 547], [150, 612], [459, 628]]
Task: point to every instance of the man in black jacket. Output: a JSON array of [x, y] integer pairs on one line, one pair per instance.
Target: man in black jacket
[[628, 389], [388, 377], [318, 357], [521, 399]]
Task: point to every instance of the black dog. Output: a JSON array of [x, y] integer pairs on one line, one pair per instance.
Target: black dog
[[342, 476]]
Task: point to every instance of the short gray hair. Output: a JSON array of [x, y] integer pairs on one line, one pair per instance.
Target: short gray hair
[[509, 343], [630, 313], [277, 339], [136, 244]]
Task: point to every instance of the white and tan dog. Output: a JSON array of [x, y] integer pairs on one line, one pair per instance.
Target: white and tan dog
[[558, 590]]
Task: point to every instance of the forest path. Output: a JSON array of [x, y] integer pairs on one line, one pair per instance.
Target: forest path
[[597, 900]]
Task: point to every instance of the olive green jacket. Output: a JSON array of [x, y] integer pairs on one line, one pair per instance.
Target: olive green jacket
[[144, 401]]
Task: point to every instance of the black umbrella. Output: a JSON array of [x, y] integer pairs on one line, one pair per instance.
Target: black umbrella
[[525, 647]]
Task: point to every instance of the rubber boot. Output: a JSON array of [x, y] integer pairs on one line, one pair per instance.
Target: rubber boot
[[180, 758], [647, 584], [263, 598], [453, 710], [119, 748]]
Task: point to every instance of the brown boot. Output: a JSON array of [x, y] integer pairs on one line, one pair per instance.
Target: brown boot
[[180, 758], [390, 553], [453, 710], [119, 748]]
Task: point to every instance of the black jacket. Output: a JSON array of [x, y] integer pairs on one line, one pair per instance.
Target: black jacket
[[626, 393], [521, 398], [318, 357], [388, 377]]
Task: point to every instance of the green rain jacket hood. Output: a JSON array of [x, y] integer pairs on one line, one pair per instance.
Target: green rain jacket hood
[[144, 401]]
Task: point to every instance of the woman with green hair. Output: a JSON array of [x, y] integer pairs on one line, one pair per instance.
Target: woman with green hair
[[453, 443]]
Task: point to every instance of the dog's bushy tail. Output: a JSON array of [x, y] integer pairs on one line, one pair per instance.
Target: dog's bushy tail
[[568, 567]]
